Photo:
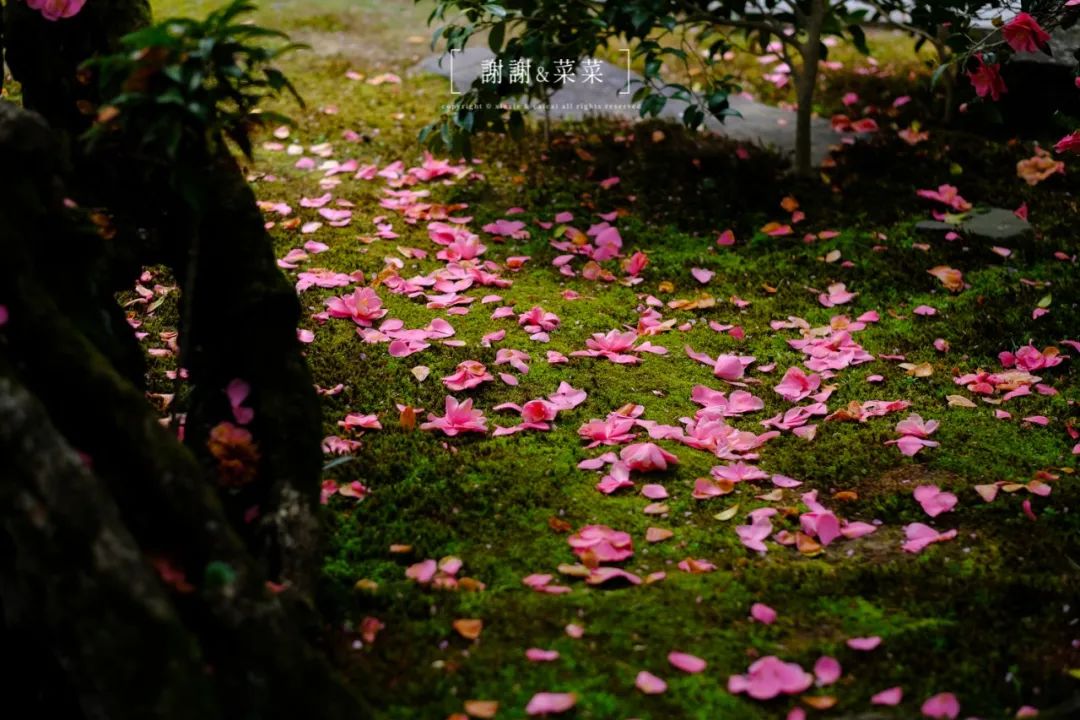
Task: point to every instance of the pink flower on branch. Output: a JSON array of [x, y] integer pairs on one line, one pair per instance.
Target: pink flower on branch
[[56, 9], [1024, 34]]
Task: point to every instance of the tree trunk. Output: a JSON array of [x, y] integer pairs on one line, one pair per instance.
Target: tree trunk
[[118, 562], [805, 85]]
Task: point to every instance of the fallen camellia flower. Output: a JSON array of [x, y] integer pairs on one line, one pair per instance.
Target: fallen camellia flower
[[914, 432], [459, 418], [468, 374], [947, 195], [951, 278], [601, 543], [1030, 358], [753, 535], [770, 676], [647, 457], [796, 384], [1039, 167], [838, 294], [362, 306]]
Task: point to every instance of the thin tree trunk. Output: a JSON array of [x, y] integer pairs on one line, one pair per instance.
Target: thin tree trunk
[[948, 79], [805, 85]]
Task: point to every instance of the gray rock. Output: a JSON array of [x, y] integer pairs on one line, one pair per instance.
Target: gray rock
[[1063, 46], [759, 123]]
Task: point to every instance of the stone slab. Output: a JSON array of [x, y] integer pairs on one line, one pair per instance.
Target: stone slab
[[759, 123]]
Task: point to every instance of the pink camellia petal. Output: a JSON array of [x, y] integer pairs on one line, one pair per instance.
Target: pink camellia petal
[[541, 655], [726, 239], [933, 500], [783, 481], [422, 572], [892, 696], [546, 703], [827, 670], [763, 613], [852, 530], [1027, 711], [943, 706], [649, 684], [601, 575], [654, 492], [686, 662], [919, 536], [537, 580], [701, 275], [237, 391], [864, 643]]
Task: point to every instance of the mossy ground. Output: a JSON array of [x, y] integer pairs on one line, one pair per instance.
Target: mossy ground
[[988, 616]]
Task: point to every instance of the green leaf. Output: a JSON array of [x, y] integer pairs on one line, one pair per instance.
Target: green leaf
[[940, 70], [858, 39], [653, 104], [495, 37], [693, 117]]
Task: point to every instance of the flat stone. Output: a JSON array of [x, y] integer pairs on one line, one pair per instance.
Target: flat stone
[[759, 123], [997, 226], [933, 227]]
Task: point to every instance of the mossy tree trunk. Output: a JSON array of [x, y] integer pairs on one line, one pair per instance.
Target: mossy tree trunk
[[243, 311]]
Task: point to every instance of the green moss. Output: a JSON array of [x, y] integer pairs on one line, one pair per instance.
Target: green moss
[[961, 616]]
